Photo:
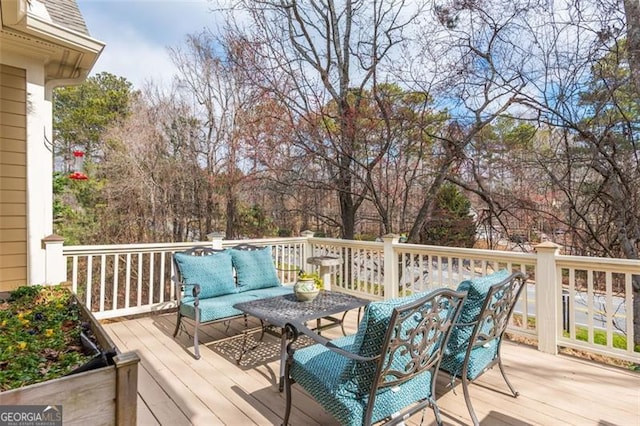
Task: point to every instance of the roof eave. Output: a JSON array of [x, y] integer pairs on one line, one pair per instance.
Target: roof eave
[[70, 55]]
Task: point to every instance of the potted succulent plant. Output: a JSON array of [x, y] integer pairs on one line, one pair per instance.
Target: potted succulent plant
[[307, 286]]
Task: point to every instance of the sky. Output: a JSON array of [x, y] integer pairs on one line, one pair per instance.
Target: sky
[[137, 34]]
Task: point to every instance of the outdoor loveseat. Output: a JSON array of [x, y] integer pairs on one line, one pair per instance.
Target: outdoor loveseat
[[211, 282]]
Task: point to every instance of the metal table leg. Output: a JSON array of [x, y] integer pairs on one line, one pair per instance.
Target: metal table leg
[[283, 358]]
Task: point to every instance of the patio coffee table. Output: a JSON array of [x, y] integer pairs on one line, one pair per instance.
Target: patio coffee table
[[278, 311]]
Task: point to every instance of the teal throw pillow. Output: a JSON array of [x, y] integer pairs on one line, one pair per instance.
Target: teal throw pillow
[[370, 336], [477, 290], [213, 272], [254, 269]]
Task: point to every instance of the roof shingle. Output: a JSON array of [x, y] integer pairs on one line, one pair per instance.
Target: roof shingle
[[66, 13]]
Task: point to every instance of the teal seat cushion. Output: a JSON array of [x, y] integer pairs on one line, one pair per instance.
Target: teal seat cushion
[[263, 293], [370, 337], [342, 385], [480, 358], [221, 307], [214, 274], [254, 269], [477, 290]]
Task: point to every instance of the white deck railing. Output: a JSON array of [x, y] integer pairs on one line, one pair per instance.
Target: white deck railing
[[120, 280], [419, 268], [584, 303]]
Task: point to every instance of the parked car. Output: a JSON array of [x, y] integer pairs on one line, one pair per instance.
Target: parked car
[[518, 238]]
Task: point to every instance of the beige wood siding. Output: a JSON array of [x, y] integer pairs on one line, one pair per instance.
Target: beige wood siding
[[13, 175]]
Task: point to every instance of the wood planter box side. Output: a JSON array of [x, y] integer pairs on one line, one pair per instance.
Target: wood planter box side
[[104, 396]]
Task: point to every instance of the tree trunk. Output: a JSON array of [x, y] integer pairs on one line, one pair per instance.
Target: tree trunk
[[636, 309], [632, 13], [426, 210], [347, 209], [208, 214], [231, 215]]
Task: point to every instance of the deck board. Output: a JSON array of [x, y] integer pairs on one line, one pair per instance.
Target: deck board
[[176, 389]]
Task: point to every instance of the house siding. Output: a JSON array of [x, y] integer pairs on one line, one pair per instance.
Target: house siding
[[13, 177]]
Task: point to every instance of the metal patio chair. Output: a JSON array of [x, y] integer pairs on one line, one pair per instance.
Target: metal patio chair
[[385, 372], [475, 341]]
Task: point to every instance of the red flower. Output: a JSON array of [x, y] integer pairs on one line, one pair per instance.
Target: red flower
[[78, 154], [78, 176]]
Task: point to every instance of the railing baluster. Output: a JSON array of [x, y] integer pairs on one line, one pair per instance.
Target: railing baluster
[[572, 304], [103, 272], [74, 274], [524, 300], [139, 293], [116, 272], [628, 288], [151, 273], [89, 278], [127, 284], [609, 308], [162, 287], [172, 284], [590, 307]]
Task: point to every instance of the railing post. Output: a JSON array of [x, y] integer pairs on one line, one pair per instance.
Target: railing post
[[55, 269], [216, 240], [308, 248], [548, 296], [391, 279], [126, 388]]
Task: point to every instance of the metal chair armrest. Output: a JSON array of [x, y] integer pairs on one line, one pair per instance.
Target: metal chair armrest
[[195, 291]]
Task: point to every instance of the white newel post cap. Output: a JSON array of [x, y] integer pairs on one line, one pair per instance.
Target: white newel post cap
[[216, 239]]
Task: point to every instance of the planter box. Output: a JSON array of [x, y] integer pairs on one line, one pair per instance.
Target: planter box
[[103, 396]]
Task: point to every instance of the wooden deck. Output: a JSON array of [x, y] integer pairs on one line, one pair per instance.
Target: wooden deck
[[176, 389]]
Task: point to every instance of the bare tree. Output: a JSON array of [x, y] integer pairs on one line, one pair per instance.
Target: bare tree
[[632, 15], [319, 59], [209, 76], [578, 81], [467, 64], [152, 180]]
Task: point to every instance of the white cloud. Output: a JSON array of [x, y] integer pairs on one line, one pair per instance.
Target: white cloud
[[137, 34], [137, 61]]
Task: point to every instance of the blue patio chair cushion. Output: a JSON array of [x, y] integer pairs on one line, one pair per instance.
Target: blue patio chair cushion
[[213, 272], [222, 307], [479, 359], [319, 371], [254, 269], [369, 339], [477, 290], [342, 385]]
